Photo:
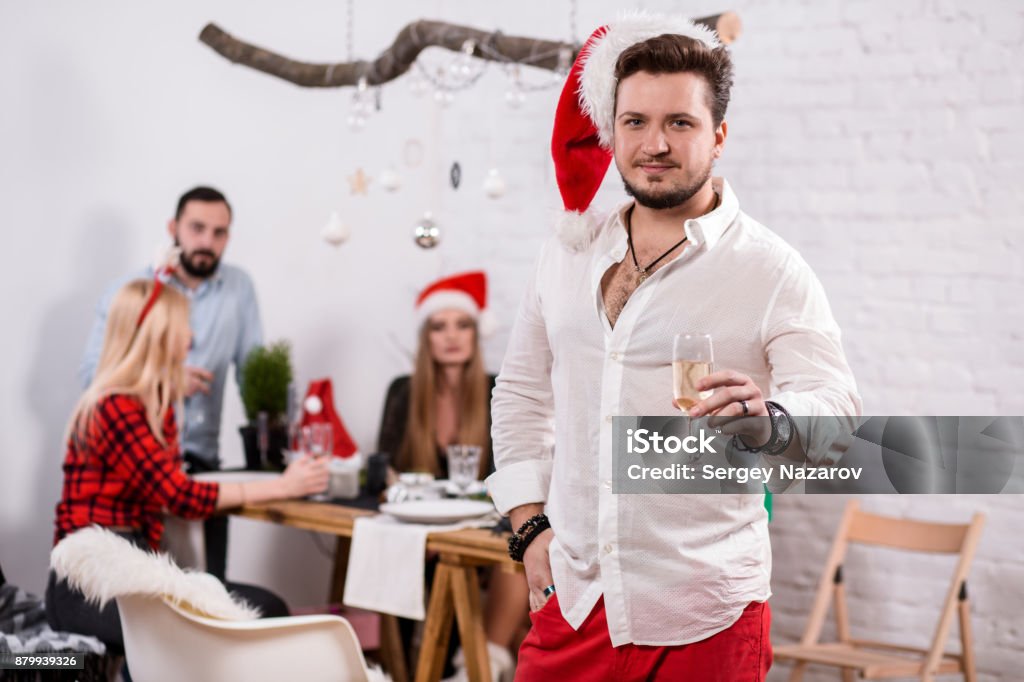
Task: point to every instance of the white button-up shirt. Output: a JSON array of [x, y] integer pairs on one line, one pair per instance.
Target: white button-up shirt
[[673, 569]]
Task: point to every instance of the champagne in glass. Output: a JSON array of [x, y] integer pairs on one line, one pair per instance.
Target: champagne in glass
[[691, 361]]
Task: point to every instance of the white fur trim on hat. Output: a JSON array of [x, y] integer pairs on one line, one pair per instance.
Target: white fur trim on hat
[[487, 323], [576, 230], [597, 85], [447, 299], [102, 565]]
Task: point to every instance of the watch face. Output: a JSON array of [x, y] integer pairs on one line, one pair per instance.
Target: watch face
[[784, 429], [781, 424]]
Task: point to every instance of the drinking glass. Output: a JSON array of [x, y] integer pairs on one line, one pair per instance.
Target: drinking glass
[[692, 360], [318, 441], [463, 466]]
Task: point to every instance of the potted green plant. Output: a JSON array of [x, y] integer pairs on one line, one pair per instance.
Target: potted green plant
[[266, 376]]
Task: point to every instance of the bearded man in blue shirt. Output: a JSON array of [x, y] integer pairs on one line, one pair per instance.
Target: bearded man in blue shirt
[[225, 321]]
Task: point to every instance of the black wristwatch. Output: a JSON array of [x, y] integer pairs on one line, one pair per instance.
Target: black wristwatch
[[781, 436]]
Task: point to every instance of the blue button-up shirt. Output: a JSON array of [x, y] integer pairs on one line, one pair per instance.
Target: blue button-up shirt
[[225, 321]]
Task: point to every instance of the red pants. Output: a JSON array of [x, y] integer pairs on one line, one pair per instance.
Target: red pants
[[554, 651]]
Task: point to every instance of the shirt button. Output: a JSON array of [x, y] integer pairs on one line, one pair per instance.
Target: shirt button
[[608, 418], [614, 356], [608, 548], [608, 485]]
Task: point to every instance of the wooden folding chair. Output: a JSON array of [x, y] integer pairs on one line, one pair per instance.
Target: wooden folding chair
[[878, 660]]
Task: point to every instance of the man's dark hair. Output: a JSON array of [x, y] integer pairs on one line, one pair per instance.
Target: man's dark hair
[[201, 193], [673, 53]]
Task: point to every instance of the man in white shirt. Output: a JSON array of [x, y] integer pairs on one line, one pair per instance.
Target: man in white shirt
[[652, 586]]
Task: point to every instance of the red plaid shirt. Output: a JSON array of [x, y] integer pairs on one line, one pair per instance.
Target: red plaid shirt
[[120, 475]]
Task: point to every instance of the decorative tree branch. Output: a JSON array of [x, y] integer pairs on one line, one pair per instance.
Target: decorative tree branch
[[411, 40]]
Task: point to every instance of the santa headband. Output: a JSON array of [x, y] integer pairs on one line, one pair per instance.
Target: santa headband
[[466, 292], [162, 269], [581, 144]]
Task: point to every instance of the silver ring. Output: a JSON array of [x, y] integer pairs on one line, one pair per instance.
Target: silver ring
[[549, 590], [746, 410]]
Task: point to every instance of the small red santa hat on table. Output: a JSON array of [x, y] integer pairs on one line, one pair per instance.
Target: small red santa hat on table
[[466, 291], [581, 144]]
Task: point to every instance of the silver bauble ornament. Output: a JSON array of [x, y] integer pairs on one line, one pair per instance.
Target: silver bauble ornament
[[426, 233]]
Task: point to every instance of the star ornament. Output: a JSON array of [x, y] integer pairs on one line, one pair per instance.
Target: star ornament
[[359, 182]]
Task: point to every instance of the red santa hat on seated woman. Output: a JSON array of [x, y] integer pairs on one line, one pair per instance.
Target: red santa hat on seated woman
[[466, 292], [581, 144]]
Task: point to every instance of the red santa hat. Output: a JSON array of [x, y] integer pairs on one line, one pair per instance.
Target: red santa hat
[[581, 144], [466, 292], [318, 408]]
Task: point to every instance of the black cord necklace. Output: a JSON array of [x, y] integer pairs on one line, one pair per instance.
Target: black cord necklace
[[629, 238]]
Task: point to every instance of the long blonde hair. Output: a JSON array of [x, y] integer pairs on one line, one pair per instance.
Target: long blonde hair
[[418, 451], [144, 360]]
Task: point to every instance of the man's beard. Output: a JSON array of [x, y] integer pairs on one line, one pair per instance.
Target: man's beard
[[190, 266], [673, 197]]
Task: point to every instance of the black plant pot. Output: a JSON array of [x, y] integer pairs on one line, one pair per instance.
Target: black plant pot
[[277, 444]]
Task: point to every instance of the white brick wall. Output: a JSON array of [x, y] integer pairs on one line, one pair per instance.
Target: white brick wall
[[882, 140]]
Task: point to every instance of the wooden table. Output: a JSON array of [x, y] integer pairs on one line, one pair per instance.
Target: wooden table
[[455, 592]]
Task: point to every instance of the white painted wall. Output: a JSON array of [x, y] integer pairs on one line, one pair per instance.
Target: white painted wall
[[881, 139]]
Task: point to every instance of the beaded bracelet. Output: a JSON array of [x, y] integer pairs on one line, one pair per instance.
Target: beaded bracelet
[[526, 534]]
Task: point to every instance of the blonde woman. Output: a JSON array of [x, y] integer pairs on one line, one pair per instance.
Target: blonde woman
[[123, 466], [446, 401]]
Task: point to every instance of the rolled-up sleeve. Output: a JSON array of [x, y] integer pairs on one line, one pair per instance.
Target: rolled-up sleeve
[[522, 410], [808, 366]]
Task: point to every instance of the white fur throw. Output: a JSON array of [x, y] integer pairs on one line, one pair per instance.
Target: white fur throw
[[103, 565]]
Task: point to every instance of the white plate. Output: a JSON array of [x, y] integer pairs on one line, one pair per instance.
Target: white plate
[[437, 511]]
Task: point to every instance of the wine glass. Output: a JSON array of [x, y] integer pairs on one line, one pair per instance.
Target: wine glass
[[692, 360], [463, 466]]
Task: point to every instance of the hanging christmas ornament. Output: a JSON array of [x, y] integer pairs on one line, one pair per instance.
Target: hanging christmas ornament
[[494, 184], [419, 85], [335, 232], [455, 175], [390, 180], [426, 233], [444, 97], [365, 99], [358, 182], [514, 96]]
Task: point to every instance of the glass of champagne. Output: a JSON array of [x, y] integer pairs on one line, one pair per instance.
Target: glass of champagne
[[692, 360], [463, 466]]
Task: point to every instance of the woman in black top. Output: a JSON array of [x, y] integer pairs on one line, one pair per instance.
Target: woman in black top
[[396, 417], [446, 401]]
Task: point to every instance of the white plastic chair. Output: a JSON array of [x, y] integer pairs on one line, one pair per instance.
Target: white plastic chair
[[183, 625], [167, 643]]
